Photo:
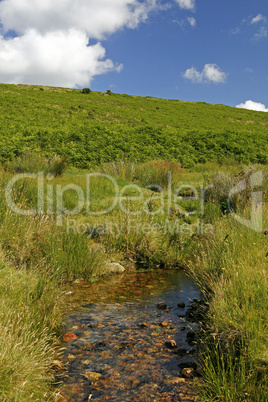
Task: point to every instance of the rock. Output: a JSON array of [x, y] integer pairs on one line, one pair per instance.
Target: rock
[[191, 337], [71, 357], [181, 304], [92, 376], [181, 351], [164, 324], [188, 364], [114, 268], [171, 344], [187, 372], [175, 380], [69, 337], [161, 306], [155, 188], [152, 350], [144, 325], [197, 311], [190, 334], [190, 315]]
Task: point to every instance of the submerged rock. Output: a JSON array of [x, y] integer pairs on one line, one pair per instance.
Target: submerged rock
[[175, 380], [187, 372], [69, 337], [92, 376], [171, 344], [161, 306], [191, 338], [144, 325], [164, 324]]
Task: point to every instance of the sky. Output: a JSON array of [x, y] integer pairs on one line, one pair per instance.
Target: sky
[[212, 51]]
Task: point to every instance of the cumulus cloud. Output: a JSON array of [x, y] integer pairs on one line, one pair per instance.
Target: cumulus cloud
[[96, 17], [210, 73], [251, 105], [186, 4], [52, 45], [258, 18], [55, 58]]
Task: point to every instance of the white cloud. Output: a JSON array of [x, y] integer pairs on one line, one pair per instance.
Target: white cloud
[[251, 105], [52, 46], [192, 21], [249, 24], [55, 58], [210, 73], [262, 33], [235, 31], [186, 4], [96, 17], [258, 18], [186, 22], [193, 75]]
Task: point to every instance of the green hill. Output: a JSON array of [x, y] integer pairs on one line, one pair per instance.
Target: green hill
[[98, 127]]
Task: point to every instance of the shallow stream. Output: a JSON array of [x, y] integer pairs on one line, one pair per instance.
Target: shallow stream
[[119, 341]]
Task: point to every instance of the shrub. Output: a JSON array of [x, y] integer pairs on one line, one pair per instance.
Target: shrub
[[221, 185], [124, 169], [109, 92], [86, 91], [32, 162]]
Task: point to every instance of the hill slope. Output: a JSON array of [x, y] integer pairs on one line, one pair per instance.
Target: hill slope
[[97, 127]]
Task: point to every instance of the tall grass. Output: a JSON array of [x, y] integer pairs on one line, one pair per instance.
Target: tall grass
[[33, 162], [153, 173], [29, 316], [37, 257], [231, 268]]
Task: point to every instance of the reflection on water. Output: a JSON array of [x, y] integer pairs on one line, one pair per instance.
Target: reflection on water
[[122, 350]]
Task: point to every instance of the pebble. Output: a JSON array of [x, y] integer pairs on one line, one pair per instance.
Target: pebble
[[161, 306], [92, 376], [187, 372], [171, 344], [69, 337], [175, 380], [164, 324]]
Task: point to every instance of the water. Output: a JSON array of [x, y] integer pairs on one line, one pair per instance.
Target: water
[[122, 351]]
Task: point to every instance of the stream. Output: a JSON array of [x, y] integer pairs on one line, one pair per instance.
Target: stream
[[126, 339]]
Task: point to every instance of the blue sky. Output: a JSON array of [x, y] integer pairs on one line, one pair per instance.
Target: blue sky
[[213, 51]]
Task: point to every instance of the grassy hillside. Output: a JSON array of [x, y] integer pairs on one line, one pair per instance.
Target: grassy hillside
[[98, 127], [138, 141]]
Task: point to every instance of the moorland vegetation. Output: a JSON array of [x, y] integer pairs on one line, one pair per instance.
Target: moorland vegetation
[[138, 142]]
